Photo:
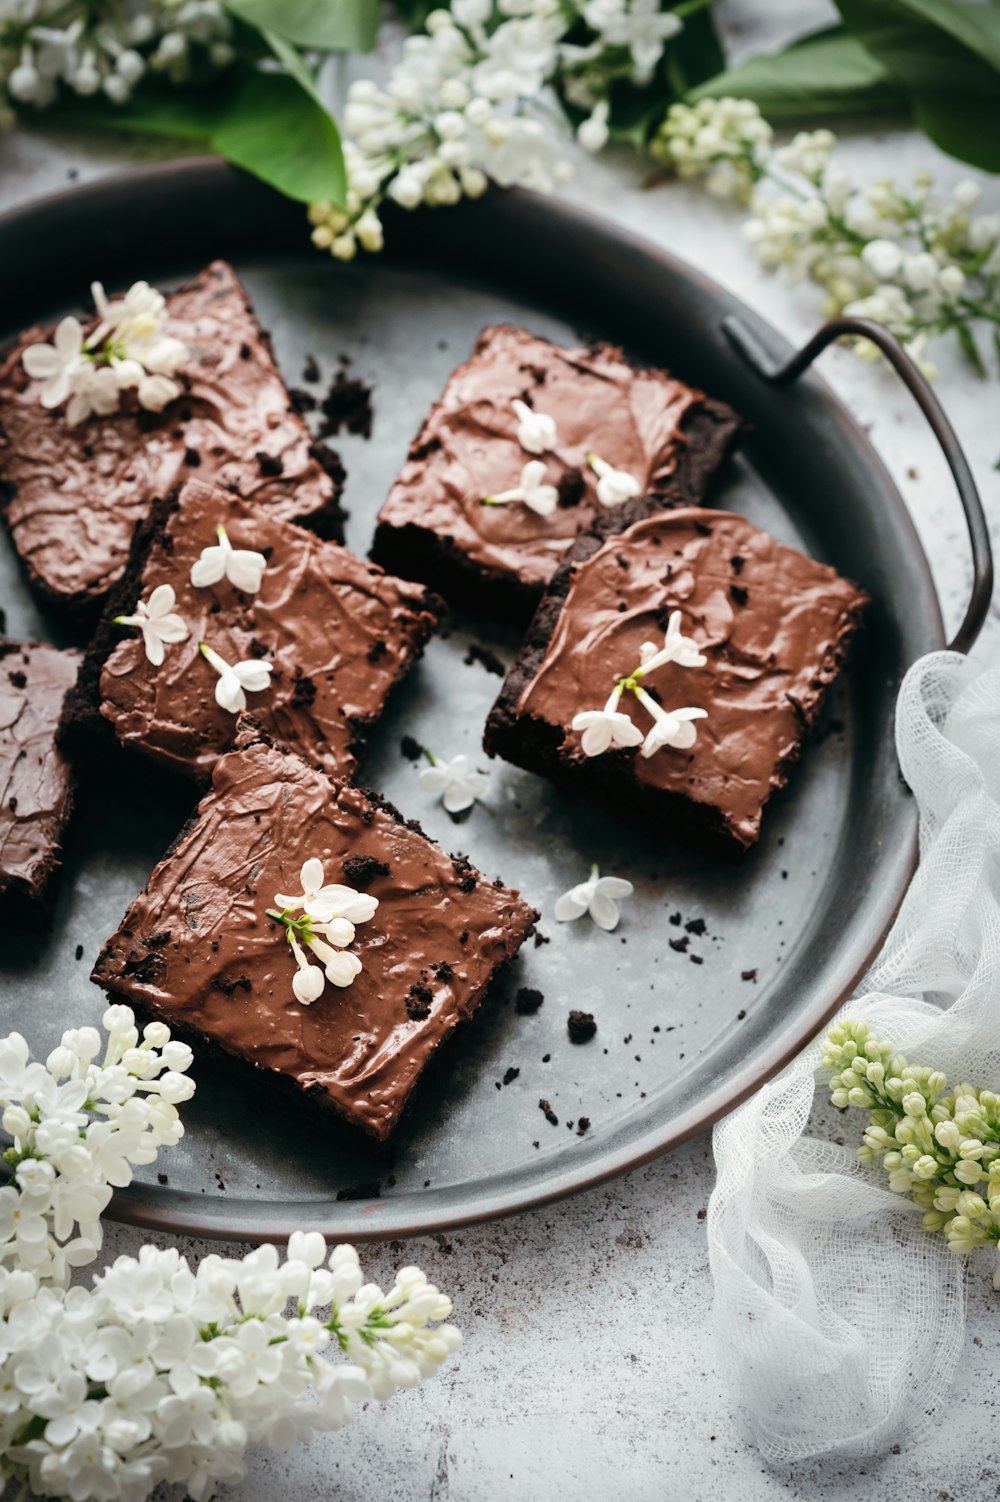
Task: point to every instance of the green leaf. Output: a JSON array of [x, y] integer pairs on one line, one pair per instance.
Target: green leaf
[[293, 60], [946, 55], [828, 73], [280, 133], [323, 25], [697, 52], [969, 348]]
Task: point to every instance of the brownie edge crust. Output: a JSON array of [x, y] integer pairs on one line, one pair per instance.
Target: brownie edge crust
[[197, 950]]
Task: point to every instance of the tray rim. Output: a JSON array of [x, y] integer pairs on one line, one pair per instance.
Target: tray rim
[[151, 1207]]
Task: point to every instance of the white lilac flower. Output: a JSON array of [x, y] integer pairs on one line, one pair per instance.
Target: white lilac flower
[[593, 132], [598, 895], [676, 648], [128, 349], [639, 25], [606, 729], [672, 727], [57, 364], [536, 432], [326, 902], [532, 490], [157, 620], [325, 927], [613, 485], [242, 567], [457, 781], [236, 679]]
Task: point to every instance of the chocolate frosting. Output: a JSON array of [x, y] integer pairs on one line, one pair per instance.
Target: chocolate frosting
[[36, 781], [338, 632], [771, 622], [468, 446], [74, 495], [196, 948]]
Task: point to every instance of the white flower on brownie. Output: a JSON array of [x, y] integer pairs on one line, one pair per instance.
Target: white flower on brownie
[[129, 348], [242, 567], [325, 903], [532, 490], [236, 679], [611, 728], [158, 622], [536, 432], [613, 485], [598, 895], [676, 648], [608, 728], [457, 780], [326, 927], [672, 727]]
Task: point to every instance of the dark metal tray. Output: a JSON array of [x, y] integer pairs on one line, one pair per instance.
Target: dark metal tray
[[678, 1043]]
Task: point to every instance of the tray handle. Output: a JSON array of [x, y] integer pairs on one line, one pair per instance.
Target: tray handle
[[753, 351]]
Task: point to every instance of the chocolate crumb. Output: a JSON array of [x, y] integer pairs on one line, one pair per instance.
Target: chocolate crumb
[[581, 1027], [192, 458], [570, 487], [736, 563], [739, 594], [583, 1125], [302, 401], [487, 659], [511, 1075], [741, 1014], [79, 951], [377, 650], [547, 1112], [680, 944], [411, 748], [347, 405], [361, 870], [696, 926], [370, 1190], [748, 975], [270, 465], [18, 679], [528, 1000], [310, 370], [676, 919], [540, 938], [418, 1001], [696, 959], [161, 1178]]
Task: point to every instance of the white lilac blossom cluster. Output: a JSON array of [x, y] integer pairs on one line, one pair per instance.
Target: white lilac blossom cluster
[[161, 626], [130, 349], [322, 918], [90, 47], [160, 1372], [472, 102], [941, 1147], [79, 1123], [919, 263], [611, 728]]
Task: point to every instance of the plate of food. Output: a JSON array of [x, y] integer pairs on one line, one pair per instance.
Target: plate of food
[[460, 705]]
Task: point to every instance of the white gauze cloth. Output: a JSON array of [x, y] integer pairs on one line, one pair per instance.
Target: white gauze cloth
[[839, 1319]]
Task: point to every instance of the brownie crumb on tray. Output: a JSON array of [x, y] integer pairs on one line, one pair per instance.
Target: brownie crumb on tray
[[357, 1049]]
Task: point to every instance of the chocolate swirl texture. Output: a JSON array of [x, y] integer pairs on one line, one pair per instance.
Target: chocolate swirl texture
[[338, 632], [667, 435], [197, 949], [36, 780], [773, 624], [70, 497]]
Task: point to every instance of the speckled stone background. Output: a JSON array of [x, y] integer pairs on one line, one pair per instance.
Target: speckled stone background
[[589, 1371]]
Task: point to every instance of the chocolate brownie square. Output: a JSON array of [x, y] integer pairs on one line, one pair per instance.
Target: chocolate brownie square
[[71, 496], [202, 949], [753, 632], [586, 406], [36, 779], [319, 644]]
